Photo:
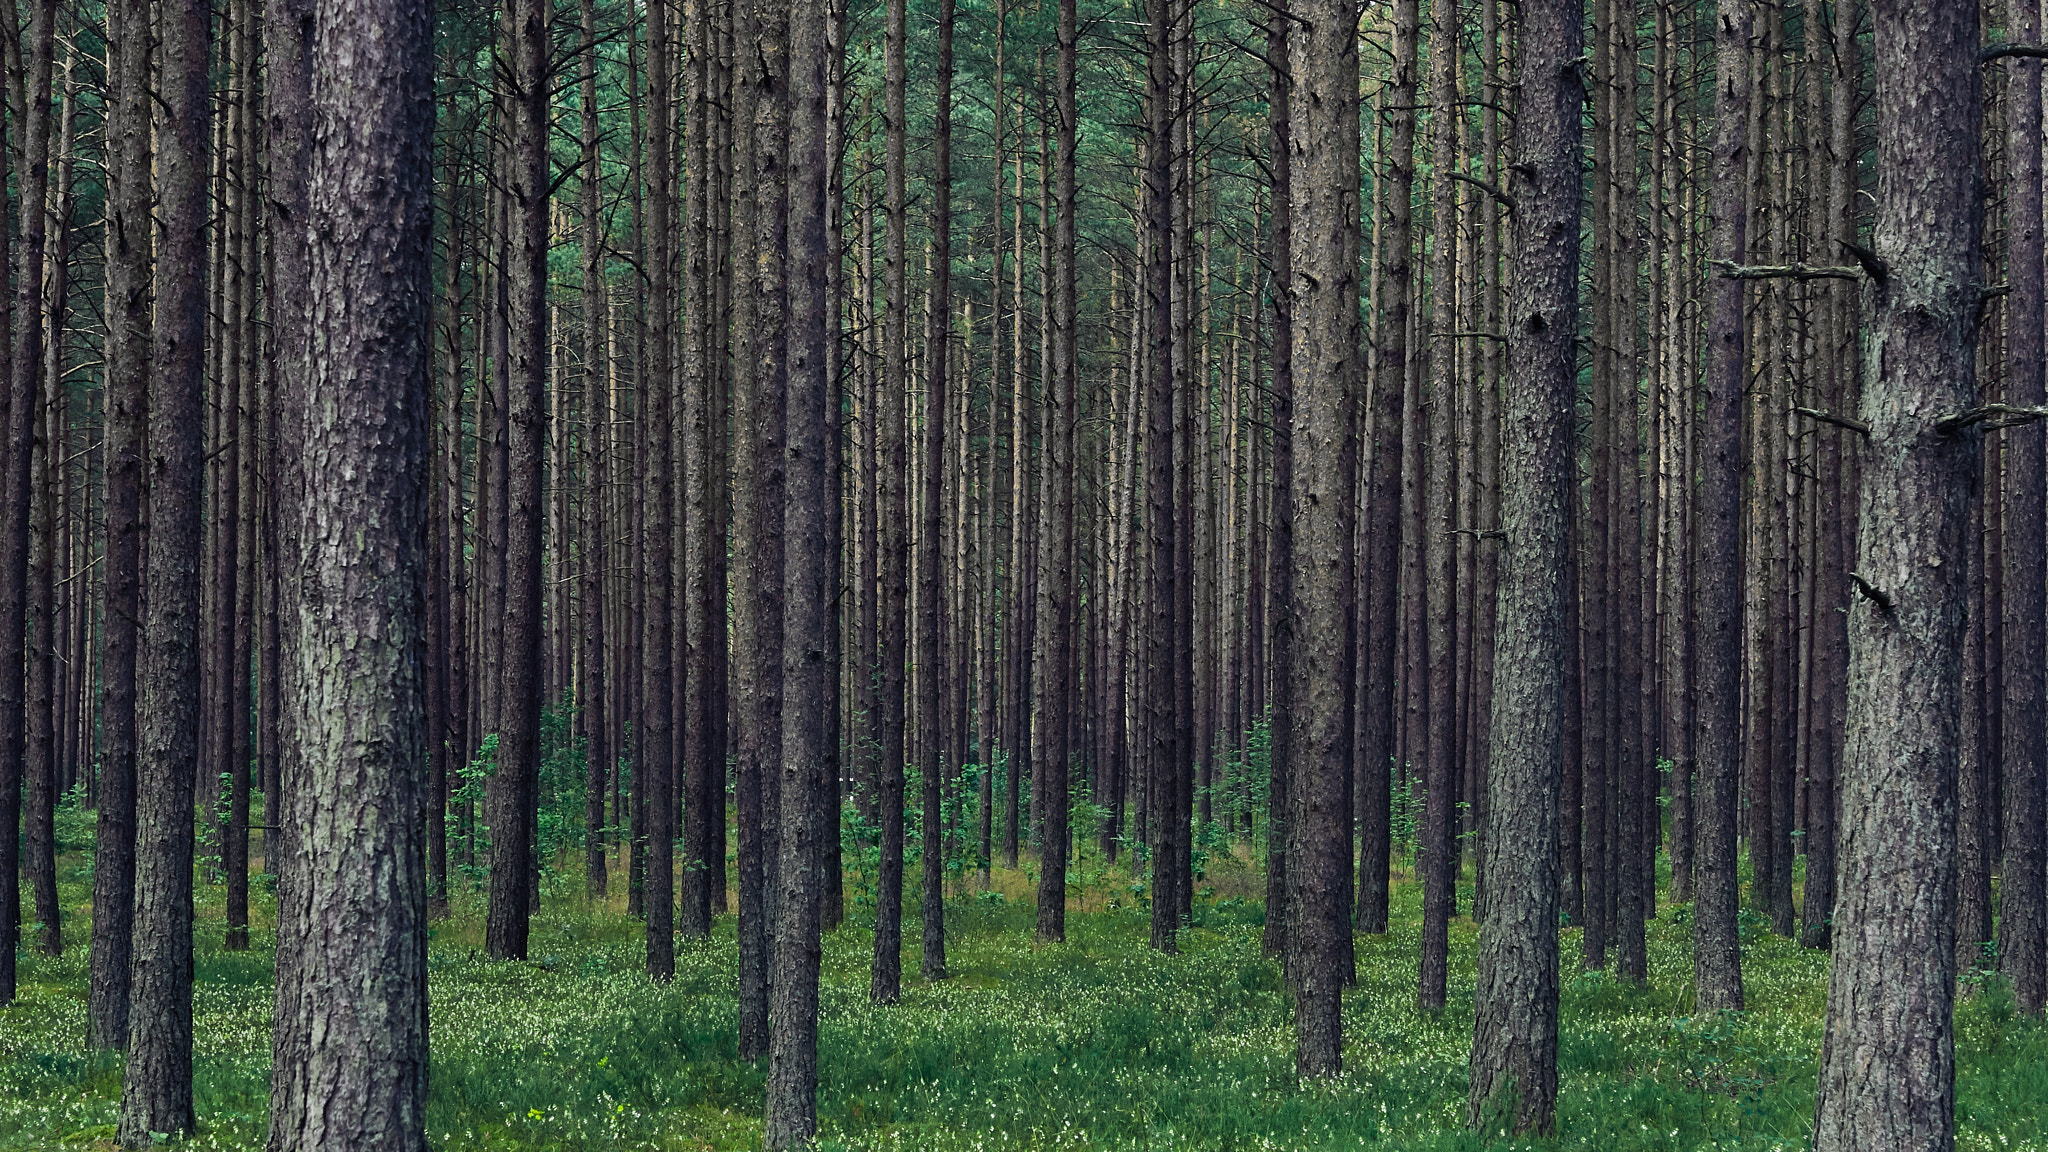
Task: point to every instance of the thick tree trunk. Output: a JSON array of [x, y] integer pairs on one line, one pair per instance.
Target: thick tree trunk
[[1887, 1074], [352, 1001], [1514, 1038]]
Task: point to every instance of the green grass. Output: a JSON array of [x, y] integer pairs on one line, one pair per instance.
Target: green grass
[[1098, 1043]]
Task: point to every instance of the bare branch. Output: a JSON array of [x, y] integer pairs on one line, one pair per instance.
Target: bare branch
[[1729, 270], [2002, 51], [1872, 593], [1991, 416], [1849, 422]]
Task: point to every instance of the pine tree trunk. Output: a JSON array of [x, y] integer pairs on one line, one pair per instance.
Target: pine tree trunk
[[931, 755], [809, 728], [1717, 964], [352, 996], [157, 1087], [1887, 1075], [2023, 905], [510, 793], [1163, 768], [1056, 671], [886, 983], [1323, 282], [1514, 1039], [653, 764]]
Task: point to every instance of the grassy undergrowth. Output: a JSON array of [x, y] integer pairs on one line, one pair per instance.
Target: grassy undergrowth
[[1098, 1043]]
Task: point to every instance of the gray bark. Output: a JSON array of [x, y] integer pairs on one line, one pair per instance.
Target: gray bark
[[352, 889], [1887, 1076], [1323, 285], [1514, 1037]]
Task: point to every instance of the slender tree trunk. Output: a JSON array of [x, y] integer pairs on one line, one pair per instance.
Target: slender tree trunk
[[1439, 850], [1717, 963], [1383, 511], [1164, 767], [931, 670], [157, 1087], [1056, 673], [653, 764], [1323, 282], [592, 554], [2023, 903], [510, 796], [809, 728], [1280, 558], [886, 983], [1887, 1074], [1514, 1038], [29, 516]]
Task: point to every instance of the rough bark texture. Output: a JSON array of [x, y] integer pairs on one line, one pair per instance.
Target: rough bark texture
[[886, 981], [931, 742], [156, 1091], [653, 763], [1056, 674], [1887, 1077], [1163, 766], [1438, 852], [1383, 499], [2023, 890], [1323, 283], [510, 792], [352, 1004], [33, 511], [17, 434], [127, 239], [1514, 1037], [1717, 960], [809, 728]]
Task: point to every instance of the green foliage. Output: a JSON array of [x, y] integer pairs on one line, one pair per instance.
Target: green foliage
[[1099, 1043]]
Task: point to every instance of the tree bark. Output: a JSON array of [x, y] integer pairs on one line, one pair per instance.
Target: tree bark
[[1887, 1074], [886, 982], [653, 763], [1323, 284], [1514, 1038], [156, 1091], [1717, 960], [809, 728], [127, 238], [352, 1001], [2023, 903]]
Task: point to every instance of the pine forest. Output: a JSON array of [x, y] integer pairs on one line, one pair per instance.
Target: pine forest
[[946, 575]]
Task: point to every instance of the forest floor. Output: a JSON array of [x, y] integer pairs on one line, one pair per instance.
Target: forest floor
[[1098, 1043]]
